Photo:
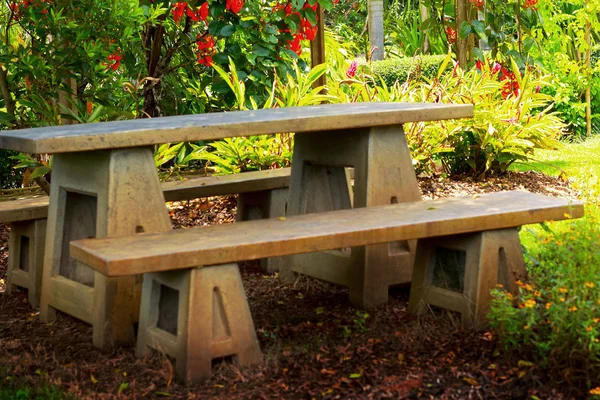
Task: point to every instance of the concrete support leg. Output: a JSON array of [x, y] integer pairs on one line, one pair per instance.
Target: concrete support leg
[[383, 174], [458, 272], [99, 194], [26, 257], [197, 316], [260, 205]]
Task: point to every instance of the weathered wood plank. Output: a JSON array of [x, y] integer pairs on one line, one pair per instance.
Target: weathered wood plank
[[213, 126], [23, 209], [316, 232], [206, 186], [245, 182]]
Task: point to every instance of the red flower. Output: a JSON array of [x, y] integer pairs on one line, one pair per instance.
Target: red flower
[[296, 44], [478, 3], [116, 57], [451, 33], [192, 14], [206, 43], [89, 107], [352, 70], [479, 65], [206, 60], [206, 48], [179, 9], [314, 7], [288, 9], [27, 82], [235, 6], [203, 11], [530, 4], [307, 30]]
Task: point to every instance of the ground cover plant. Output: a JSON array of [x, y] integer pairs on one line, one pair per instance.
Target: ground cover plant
[[553, 321]]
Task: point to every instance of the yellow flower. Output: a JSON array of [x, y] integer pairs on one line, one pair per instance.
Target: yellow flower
[[563, 290], [499, 285], [519, 283], [526, 327], [595, 391], [562, 299], [574, 308], [528, 287], [530, 303], [596, 320], [589, 284], [536, 293], [548, 305], [589, 329]]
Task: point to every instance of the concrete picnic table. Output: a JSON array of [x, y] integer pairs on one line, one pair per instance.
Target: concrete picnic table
[[104, 183]]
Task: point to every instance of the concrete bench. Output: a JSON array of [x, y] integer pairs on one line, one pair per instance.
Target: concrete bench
[[193, 303], [262, 194]]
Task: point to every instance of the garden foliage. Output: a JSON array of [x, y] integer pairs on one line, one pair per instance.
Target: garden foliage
[[512, 115], [555, 319], [407, 68]]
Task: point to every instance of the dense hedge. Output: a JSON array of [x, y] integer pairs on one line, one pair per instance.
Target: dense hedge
[[399, 69], [9, 178]]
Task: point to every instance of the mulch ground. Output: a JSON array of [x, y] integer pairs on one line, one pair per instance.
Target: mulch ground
[[315, 344]]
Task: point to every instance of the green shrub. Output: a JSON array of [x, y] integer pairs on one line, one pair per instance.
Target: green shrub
[[9, 177], [512, 116], [400, 69], [511, 119], [555, 319]]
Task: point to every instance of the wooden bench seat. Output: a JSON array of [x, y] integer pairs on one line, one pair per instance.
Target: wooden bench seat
[[193, 306], [262, 195]]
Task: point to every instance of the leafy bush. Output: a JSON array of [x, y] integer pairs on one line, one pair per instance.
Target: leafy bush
[[9, 178], [512, 116], [555, 319], [400, 69], [568, 89], [233, 155]]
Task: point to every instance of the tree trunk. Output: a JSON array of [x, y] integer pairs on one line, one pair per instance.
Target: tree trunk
[[317, 46], [424, 17], [376, 29], [460, 9], [8, 100]]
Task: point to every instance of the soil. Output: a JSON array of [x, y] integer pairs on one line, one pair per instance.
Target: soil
[[315, 344]]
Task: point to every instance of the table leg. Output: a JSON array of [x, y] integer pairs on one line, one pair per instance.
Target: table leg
[[99, 194], [383, 174]]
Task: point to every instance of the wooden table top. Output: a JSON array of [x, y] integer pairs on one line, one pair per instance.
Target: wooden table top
[[214, 126]]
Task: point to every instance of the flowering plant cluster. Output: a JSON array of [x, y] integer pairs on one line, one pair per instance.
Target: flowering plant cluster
[[554, 319], [477, 3], [510, 85], [18, 9], [530, 4], [284, 27]]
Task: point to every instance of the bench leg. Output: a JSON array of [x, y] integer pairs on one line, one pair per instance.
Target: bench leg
[[458, 272], [383, 174], [261, 205], [99, 194], [26, 257], [197, 316]]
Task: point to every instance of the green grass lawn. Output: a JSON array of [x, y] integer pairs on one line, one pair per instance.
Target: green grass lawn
[[580, 162]]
